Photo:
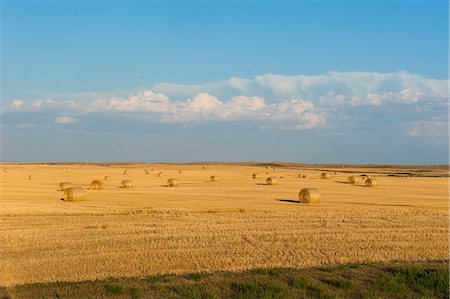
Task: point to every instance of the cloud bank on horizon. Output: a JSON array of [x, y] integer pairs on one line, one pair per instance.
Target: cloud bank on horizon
[[336, 102]]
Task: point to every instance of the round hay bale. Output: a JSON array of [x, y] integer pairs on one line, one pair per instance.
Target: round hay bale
[[214, 178], [325, 175], [172, 182], [371, 182], [159, 174], [299, 175], [203, 167], [74, 194], [146, 172], [256, 176], [267, 172], [125, 172], [126, 184], [106, 177], [351, 180], [309, 195], [5, 170], [272, 181], [96, 185], [179, 171], [31, 177], [64, 185], [303, 176]]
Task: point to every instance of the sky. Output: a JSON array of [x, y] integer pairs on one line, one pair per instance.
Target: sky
[[180, 81]]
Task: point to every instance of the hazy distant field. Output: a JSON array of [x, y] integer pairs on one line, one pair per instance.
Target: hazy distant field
[[234, 224]]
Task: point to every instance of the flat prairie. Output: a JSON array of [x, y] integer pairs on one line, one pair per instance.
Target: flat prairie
[[233, 224]]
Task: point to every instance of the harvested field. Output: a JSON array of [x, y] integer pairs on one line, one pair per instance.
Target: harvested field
[[236, 223]]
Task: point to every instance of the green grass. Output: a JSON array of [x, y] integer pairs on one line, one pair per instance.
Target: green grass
[[270, 271], [135, 293], [397, 280], [250, 291], [338, 283], [194, 276], [114, 288], [298, 282]]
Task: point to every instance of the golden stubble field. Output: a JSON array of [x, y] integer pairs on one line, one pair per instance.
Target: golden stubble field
[[235, 223]]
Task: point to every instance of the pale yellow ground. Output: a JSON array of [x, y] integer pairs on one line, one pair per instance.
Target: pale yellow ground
[[233, 224]]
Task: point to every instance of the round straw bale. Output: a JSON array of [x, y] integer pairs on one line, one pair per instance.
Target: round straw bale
[[351, 180], [267, 172], [127, 184], [256, 176], [172, 182], [159, 174], [31, 177], [96, 185], [214, 178], [203, 167], [309, 195], [146, 172], [106, 177], [303, 176], [325, 175], [74, 194], [299, 175], [179, 171], [64, 185], [371, 182], [125, 171], [272, 180]]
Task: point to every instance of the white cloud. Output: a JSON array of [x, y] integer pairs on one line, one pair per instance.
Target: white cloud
[[430, 128], [333, 88], [37, 104], [16, 104], [65, 120], [143, 101], [295, 102]]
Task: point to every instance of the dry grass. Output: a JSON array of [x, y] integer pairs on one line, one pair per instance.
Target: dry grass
[[126, 184], [64, 185], [309, 195], [371, 182], [96, 185], [74, 194], [325, 175], [351, 180], [172, 182], [272, 181], [234, 224]]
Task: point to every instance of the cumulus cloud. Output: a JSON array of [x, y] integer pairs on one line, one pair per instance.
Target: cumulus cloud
[[430, 128], [143, 101], [296, 102], [333, 88], [65, 120], [16, 104], [205, 107]]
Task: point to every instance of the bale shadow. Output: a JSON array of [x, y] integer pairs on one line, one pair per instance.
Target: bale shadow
[[287, 200], [342, 182], [261, 184]]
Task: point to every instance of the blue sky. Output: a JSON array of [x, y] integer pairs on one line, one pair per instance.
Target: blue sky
[[322, 81]]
